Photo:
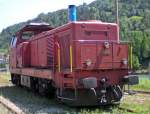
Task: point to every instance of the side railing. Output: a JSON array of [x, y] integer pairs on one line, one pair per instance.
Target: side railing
[[62, 79]]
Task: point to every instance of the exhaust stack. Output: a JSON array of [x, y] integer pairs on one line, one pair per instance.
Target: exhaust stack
[[72, 13]]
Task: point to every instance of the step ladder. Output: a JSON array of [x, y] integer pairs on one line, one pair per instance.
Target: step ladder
[[67, 82]]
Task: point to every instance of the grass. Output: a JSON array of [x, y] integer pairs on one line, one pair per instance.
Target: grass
[[5, 75], [110, 110], [4, 78], [3, 50], [140, 103], [144, 85], [30, 102]]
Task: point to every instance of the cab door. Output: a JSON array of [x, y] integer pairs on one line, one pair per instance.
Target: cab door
[[13, 59], [120, 56], [95, 55]]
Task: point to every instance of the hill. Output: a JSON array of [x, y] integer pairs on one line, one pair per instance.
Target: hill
[[134, 22]]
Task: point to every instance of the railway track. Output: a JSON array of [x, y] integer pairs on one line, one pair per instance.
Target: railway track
[[132, 92], [12, 108], [127, 109], [143, 92], [137, 91]]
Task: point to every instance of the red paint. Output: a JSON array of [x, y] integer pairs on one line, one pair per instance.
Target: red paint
[[23, 55], [88, 40]]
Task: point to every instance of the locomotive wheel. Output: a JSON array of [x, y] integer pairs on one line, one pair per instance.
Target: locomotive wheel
[[45, 88], [15, 79], [117, 93], [113, 95], [34, 84]]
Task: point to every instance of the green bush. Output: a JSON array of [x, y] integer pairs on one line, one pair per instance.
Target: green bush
[[2, 65], [144, 84], [136, 64]]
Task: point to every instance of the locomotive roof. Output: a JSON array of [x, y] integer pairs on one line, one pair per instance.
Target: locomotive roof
[[94, 22], [36, 27], [85, 22]]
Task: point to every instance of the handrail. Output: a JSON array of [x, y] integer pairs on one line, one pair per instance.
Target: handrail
[[59, 59], [111, 41], [58, 52], [131, 56], [70, 58]]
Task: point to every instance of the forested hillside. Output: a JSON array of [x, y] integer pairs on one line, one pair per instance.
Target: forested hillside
[[134, 22]]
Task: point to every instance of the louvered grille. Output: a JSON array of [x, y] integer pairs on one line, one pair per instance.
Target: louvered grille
[[50, 51]]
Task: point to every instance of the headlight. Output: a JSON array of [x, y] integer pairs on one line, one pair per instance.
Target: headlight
[[106, 45], [89, 82], [88, 62], [124, 61]]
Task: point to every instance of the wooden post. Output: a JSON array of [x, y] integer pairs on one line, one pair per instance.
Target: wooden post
[[117, 18]]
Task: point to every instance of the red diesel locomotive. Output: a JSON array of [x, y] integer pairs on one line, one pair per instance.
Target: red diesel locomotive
[[81, 62]]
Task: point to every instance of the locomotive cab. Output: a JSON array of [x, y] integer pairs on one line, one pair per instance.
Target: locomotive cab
[[29, 31], [20, 44]]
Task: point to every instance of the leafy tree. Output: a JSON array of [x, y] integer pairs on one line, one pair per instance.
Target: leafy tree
[[134, 22], [136, 63]]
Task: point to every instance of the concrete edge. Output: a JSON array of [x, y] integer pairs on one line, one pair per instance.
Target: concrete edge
[[11, 106]]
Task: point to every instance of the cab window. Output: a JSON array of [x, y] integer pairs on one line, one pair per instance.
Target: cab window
[[26, 35], [13, 42]]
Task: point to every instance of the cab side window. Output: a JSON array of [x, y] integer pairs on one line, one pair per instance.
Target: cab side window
[[27, 35], [13, 42]]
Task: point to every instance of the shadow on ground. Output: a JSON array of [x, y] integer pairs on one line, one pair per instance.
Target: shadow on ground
[[33, 103]]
